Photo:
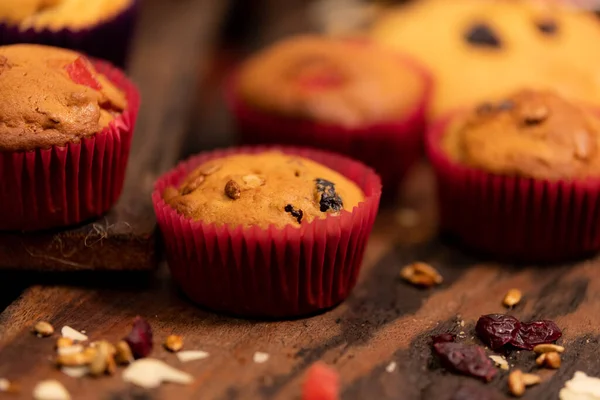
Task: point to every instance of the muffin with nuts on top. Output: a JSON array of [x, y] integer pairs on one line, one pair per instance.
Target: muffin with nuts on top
[[520, 177], [100, 28], [64, 138], [304, 90], [267, 232]]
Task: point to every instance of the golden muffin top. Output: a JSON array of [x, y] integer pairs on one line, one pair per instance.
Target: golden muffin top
[[534, 134], [52, 96], [269, 188], [477, 50], [58, 14], [330, 80]]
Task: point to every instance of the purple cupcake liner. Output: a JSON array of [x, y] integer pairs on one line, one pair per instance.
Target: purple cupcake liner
[[108, 40]]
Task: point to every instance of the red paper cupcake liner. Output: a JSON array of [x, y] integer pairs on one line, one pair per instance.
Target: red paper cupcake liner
[[108, 40], [65, 185], [390, 147], [511, 217], [269, 272]]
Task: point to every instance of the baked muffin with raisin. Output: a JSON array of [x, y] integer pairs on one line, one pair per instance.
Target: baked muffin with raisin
[[65, 130], [520, 177], [262, 190], [262, 232], [488, 49], [78, 24], [304, 91]]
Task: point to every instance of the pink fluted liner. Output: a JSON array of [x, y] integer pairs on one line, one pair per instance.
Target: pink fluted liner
[[269, 272], [390, 147], [108, 40], [66, 185], [513, 217]]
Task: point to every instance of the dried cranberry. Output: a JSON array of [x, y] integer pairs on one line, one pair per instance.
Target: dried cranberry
[[537, 332], [80, 73], [296, 213], [496, 330], [482, 35], [467, 359], [321, 383], [443, 338], [140, 338], [329, 200]]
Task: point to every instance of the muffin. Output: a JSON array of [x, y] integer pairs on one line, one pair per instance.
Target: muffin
[[100, 28], [520, 177], [303, 91], [65, 133], [269, 232], [488, 49]]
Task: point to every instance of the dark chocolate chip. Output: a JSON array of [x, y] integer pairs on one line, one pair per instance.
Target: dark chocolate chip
[[329, 200], [547, 26], [482, 35], [298, 214]]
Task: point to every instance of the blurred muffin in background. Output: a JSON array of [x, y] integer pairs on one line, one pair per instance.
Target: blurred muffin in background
[[343, 95], [478, 50], [100, 28], [520, 177]]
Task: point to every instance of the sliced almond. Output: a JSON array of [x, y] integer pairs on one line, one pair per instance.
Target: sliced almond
[[260, 357], [50, 390], [72, 334], [149, 373], [192, 355], [500, 362]]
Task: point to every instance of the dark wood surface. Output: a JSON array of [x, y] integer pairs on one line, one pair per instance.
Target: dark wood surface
[[384, 319], [172, 44]]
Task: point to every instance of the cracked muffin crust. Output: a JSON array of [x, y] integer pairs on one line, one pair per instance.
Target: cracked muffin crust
[[52, 97], [58, 14], [331, 81], [269, 188], [535, 134]]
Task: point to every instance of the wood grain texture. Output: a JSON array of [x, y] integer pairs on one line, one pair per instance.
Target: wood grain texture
[[384, 320], [172, 43]]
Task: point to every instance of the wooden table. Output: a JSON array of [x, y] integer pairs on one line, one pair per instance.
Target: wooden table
[[383, 321]]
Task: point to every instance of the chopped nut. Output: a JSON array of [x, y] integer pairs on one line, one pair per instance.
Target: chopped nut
[[43, 329], [64, 342], [232, 190], [174, 343], [260, 357], [512, 298], [123, 353], [500, 362], [192, 355], [421, 274], [77, 359], [516, 386], [193, 185], [548, 348], [50, 390], [149, 373], [531, 379], [103, 358]]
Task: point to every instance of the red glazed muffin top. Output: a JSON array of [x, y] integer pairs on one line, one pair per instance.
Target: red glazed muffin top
[[269, 188], [535, 134], [52, 97], [58, 14], [331, 81]]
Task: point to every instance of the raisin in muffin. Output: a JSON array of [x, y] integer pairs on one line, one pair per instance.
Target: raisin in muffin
[[59, 14], [53, 97], [264, 189], [488, 49], [65, 131], [531, 134], [520, 178]]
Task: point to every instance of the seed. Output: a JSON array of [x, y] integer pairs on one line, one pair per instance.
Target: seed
[[174, 343], [232, 190], [541, 360], [552, 360], [77, 359], [516, 386], [512, 298], [123, 353], [210, 169], [421, 274], [43, 329], [193, 185], [531, 379], [64, 342], [548, 348]]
